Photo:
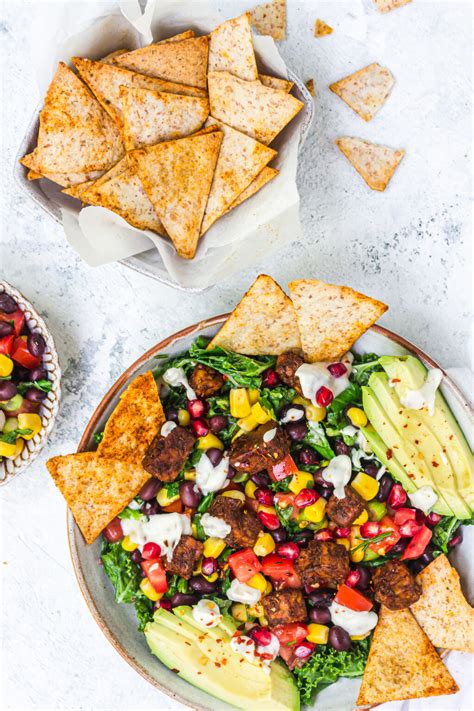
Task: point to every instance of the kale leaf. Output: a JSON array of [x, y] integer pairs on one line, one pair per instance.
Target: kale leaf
[[316, 438], [445, 529], [276, 398], [363, 367], [335, 417]]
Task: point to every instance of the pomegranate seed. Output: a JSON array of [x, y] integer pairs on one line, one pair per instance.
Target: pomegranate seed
[[306, 497], [343, 532], [308, 457], [432, 519], [420, 517], [209, 566], [269, 520], [200, 427], [397, 496], [261, 636], [196, 408], [337, 370], [304, 649], [270, 378], [288, 550], [409, 528], [264, 496], [353, 578], [324, 535], [324, 397], [455, 540], [370, 529], [151, 550], [163, 604]]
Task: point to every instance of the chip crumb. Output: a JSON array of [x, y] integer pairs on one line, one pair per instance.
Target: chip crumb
[[321, 28], [388, 5], [310, 86], [270, 19]]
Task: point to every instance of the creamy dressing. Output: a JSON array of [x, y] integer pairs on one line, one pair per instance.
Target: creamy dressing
[[167, 428], [210, 478], [270, 650], [207, 613], [134, 505], [215, 527], [176, 377], [269, 435], [293, 415], [243, 645], [424, 396], [164, 529], [424, 498], [313, 376], [241, 592], [349, 431], [355, 623], [338, 473]]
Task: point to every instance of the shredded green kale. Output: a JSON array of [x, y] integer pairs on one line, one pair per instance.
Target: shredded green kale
[[316, 438]]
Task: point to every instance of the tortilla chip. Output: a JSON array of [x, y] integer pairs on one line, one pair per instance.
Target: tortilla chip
[[442, 610], [31, 175], [106, 80], [276, 83], [402, 663], [375, 163], [96, 489], [150, 117], [76, 191], [365, 91], [231, 48], [135, 421], [111, 56], [263, 323], [331, 318], [259, 182], [270, 19], [182, 62], [177, 177], [66, 180], [387, 5], [321, 29], [310, 86], [75, 134], [240, 160], [187, 34], [250, 107]]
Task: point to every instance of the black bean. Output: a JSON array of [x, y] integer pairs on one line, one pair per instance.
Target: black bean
[[183, 599], [150, 489], [339, 639], [202, 586]]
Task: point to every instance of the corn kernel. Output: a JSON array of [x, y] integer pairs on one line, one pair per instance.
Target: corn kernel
[[250, 489], [262, 621], [128, 544], [362, 518], [304, 524], [357, 416], [234, 494], [356, 556], [260, 414], [212, 578], [163, 498], [19, 447], [318, 634], [239, 433], [190, 475], [247, 424], [360, 636], [365, 485], [254, 395], [239, 612], [268, 588], [149, 591], [258, 582], [6, 365], [30, 421], [264, 544], [256, 610], [208, 441], [7, 450], [315, 512], [184, 418], [299, 400], [344, 542], [299, 481], [239, 402], [267, 509], [213, 547], [314, 413]]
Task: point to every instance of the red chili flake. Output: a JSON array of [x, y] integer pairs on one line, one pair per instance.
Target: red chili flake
[[435, 464], [389, 454]]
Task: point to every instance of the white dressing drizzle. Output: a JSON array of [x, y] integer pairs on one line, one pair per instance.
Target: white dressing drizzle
[[209, 477], [241, 592], [214, 527], [241, 644], [164, 529], [176, 377], [293, 415], [338, 473], [167, 428], [269, 435], [355, 623], [207, 613], [424, 396], [424, 498], [313, 376]]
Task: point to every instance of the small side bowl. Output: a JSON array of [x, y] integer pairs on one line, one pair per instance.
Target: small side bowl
[[10, 468]]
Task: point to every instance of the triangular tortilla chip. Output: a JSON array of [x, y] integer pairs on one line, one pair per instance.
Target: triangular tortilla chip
[[321, 28], [96, 489], [135, 421], [177, 177], [105, 80], [76, 191], [331, 318], [75, 134], [387, 5], [240, 160], [109, 58], [402, 663], [257, 184], [365, 91], [183, 62], [263, 323], [310, 86], [31, 175], [276, 83], [231, 48], [442, 610], [66, 180], [270, 19], [150, 117], [375, 163], [250, 107]]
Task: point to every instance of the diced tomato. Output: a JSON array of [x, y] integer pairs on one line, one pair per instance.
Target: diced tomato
[[22, 355], [418, 544], [277, 567], [113, 532], [175, 507], [402, 515], [6, 344], [409, 528], [283, 469], [156, 574], [244, 564], [291, 634], [353, 599], [381, 547], [18, 318], [290, 581]]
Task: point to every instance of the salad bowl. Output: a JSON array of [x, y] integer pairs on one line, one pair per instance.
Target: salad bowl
[[118, 622]]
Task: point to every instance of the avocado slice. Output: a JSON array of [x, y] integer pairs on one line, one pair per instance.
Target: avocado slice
[[380, 449], [205, 658], [411, 373], [425, 442], [417, 473]]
